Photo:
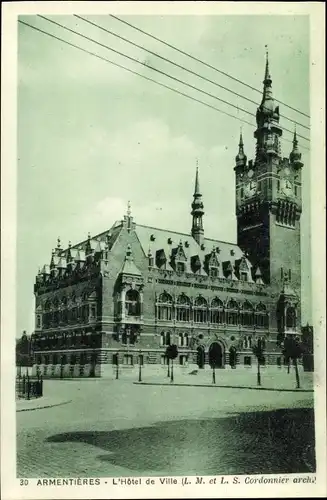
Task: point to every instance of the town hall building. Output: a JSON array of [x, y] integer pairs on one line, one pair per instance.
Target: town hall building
[[122, 296]]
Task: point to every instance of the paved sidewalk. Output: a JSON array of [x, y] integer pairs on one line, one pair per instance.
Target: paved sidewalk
[[225, 386], [279, 381], [39, 403]]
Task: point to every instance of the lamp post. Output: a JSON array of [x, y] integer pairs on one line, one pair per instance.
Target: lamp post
[[172, 353], [61, 367], [117, 372], [140, 366]]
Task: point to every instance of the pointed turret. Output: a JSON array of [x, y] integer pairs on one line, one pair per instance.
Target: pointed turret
[[197, 211], [128, 218], [129, 267], [267, 110], [295, 155], [268, 130], [241, 158]]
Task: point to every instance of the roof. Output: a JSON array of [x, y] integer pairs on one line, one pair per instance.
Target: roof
[[159, 239]]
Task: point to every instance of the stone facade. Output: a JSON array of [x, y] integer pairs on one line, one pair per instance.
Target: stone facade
[[122, 296]]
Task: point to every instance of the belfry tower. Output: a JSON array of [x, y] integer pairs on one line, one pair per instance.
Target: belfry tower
[[197, 211], [268, 198]]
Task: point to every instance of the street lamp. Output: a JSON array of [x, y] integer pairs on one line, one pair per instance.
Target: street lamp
[[61, 366], [140, 366], [117, 373]]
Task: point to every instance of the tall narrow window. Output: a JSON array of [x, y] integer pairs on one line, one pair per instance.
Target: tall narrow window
[[180, 267], [183, 308], [165, 338], [132, 303], [217, 311], [200, 310], [165, 306], [247, 315], [261, 316], [290, 317], [232, 312]]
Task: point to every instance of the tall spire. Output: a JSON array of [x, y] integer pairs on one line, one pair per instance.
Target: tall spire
[[240, 158], [129, 211], [128, 219], [267, 72], [267, 103], [268, 130], [197, 183], [295, 155], [197, 210]]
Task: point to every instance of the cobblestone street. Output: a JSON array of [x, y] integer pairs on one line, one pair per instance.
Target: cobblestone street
[[117, 428]]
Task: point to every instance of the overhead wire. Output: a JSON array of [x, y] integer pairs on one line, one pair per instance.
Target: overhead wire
[[193, 87], [140, 75], [174, 63], [202, 62]]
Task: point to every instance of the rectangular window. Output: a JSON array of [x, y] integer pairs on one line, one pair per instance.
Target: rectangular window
[[247, 361], [182, 360], [128, 359], [180, 267], [93, 311], [213, 272], [244, 276], [295, 190], [278, 185], [242, 193]]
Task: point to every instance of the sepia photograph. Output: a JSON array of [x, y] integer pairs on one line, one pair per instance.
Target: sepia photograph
[[164, 325]]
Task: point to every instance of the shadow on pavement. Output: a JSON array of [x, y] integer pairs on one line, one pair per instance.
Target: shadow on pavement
[[280, 441]]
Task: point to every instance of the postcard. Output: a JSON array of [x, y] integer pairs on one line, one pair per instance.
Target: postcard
[[163, 250]]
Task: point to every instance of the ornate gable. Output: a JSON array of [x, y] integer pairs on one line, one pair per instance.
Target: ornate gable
[[178, 254]]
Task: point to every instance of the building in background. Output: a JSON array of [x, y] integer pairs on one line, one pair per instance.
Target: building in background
[[307, 348], [124, 295]]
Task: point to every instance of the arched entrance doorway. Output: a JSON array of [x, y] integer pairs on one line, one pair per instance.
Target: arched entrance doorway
[[216, 355], [200, 356]]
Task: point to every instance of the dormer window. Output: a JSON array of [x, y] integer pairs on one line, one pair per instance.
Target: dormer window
[[202, 246], [213, 272], [169, 241], [152, 237], [180, 267], [244, 276]]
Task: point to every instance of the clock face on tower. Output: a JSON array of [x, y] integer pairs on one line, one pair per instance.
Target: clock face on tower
[[287, 187], [250, 189]]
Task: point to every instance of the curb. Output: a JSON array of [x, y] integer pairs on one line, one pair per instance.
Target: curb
[[43, 407], [215, 386]]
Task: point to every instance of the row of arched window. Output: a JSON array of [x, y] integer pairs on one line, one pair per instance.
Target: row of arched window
[[67, 301], [65, 340], [200, 311], [82, 358], [78, 314], [248, 344], [166, 339]]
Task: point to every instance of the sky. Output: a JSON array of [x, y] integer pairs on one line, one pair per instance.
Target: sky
[[92, 136]]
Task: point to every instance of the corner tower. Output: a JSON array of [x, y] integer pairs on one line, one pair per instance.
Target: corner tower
[[197, 212], [268, 198]]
